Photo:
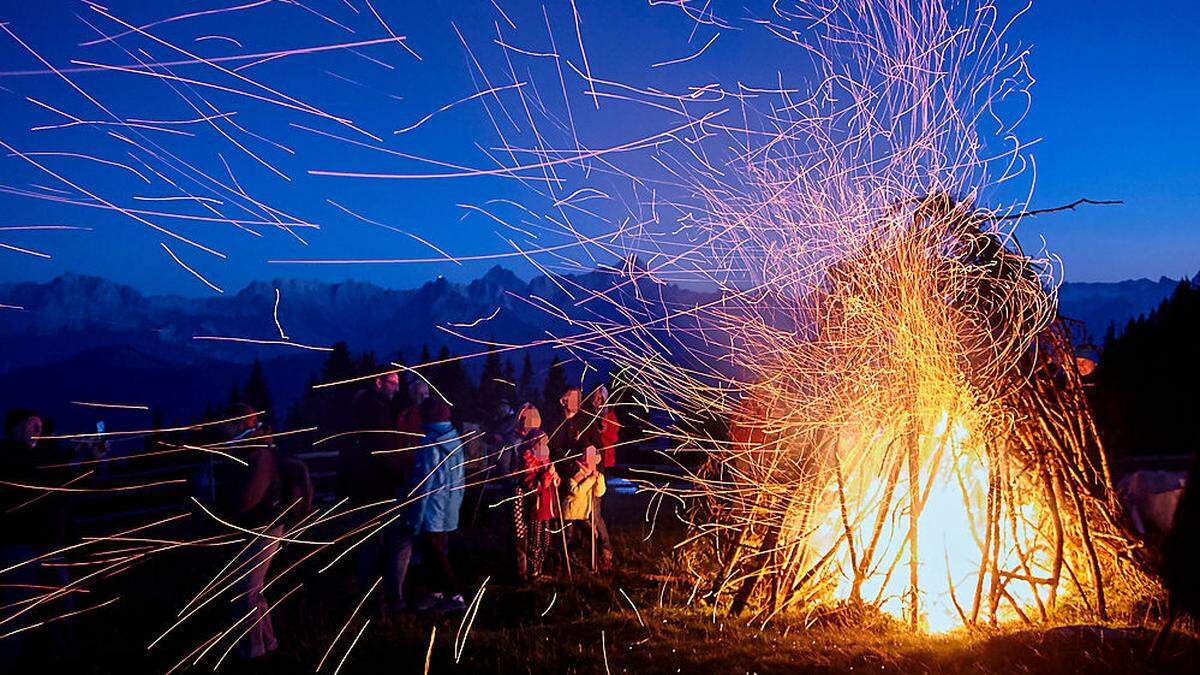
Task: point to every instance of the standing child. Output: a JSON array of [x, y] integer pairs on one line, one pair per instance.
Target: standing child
[[511, 463], [604, 434], [584, 490], [541, 483]]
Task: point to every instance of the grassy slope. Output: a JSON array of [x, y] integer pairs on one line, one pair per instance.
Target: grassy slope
[[511, 635]]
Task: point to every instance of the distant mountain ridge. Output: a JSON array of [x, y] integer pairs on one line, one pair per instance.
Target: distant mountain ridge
[[73, 313], [77, 329], [1097, 304]]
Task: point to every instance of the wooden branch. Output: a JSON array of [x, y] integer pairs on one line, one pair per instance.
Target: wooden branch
[[1064, 207], [914, 518]]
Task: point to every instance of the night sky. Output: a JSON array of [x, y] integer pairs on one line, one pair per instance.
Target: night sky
[[1114, 105]]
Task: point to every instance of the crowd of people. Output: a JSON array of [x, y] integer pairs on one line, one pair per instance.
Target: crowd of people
[[403, 469], [407, 453]]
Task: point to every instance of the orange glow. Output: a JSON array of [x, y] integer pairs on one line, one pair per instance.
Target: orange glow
[[950, 532]]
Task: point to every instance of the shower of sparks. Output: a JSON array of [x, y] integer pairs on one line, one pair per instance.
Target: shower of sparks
[[876, 405]]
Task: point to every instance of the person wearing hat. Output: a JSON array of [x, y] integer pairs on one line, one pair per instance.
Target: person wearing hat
[[540, 481], [585, 487], [510, 465]]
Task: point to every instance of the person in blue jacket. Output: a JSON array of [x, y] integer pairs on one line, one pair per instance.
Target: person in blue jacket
[[437, 484]]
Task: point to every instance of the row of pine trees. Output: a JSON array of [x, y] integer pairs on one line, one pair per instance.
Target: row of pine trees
[[1147, 383], [474, 398]]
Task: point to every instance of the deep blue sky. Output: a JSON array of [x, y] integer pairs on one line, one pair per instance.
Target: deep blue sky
[[1115, 106]]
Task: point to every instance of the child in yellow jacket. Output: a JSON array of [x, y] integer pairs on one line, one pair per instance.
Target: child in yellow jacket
[[585, 487]]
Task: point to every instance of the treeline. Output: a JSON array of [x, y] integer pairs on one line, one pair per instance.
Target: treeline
[[1147, 383], [325, 404]]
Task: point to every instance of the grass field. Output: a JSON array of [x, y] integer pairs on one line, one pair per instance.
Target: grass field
[[629, 621]]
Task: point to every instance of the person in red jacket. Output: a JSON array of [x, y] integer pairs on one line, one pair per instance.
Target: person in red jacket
[[606, 430], [511, 463], [541, 482]]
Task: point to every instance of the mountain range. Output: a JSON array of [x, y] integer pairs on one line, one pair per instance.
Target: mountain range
[[1097, 304], [82, 338]]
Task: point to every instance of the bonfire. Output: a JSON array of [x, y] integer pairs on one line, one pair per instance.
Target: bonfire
[[919, 442], [908, 425]]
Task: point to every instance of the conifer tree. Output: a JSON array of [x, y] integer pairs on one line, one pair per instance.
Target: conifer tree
[[490, 387], [556, 382], [526, 392], [256, 394]]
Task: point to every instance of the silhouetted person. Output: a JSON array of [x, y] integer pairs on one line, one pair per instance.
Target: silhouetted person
[[489, 477], [567, 435], [371, 471], [95, 454], [32, 523], [363, 475], [252, 498], [499, 423]]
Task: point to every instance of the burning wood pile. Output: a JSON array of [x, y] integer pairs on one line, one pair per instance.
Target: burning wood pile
[[917, 440], [909, 425]]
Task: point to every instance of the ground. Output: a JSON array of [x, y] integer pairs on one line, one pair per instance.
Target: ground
[[631, 621]]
